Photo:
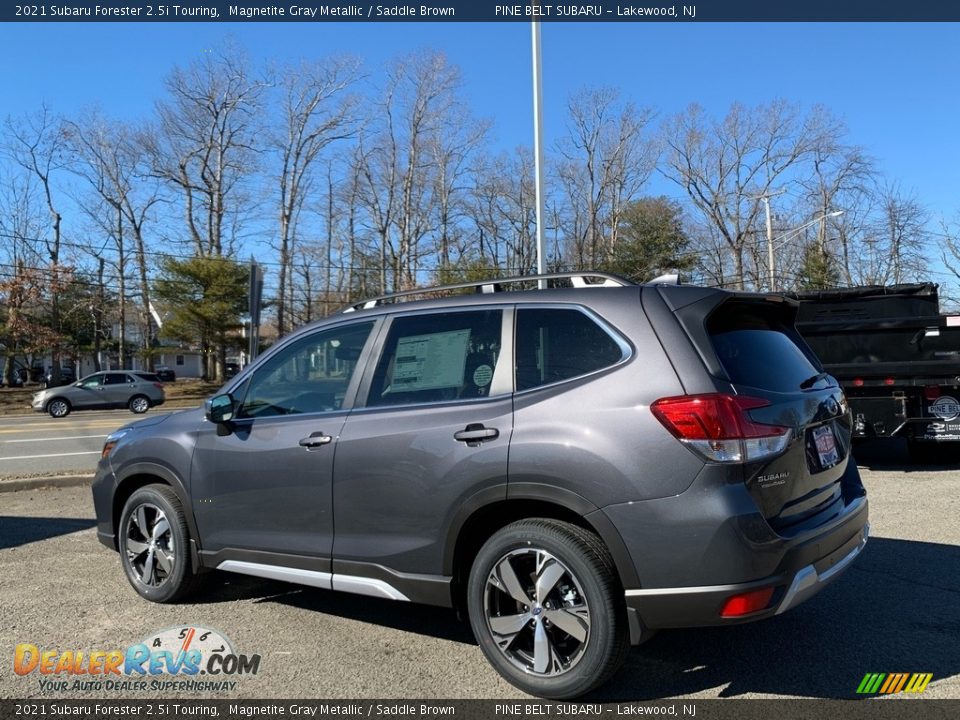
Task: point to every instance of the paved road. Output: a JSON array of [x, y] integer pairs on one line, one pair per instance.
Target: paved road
[[896, 610], [39, 444]]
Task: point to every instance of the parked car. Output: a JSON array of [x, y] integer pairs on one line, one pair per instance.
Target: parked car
[[166, 374], [230, 370], [573, 467], [67, 376], [99, 391], [16, 379]]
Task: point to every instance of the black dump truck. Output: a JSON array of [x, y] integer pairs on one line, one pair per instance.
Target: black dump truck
[[896, 357]]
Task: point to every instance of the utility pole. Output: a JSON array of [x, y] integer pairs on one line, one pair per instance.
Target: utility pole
[[771, 266], [538, 152]]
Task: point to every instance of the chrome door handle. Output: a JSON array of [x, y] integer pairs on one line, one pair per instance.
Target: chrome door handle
[[476, 433], [315, 440]]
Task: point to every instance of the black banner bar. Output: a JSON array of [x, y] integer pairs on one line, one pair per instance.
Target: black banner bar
[[913, 708], [486, 11]]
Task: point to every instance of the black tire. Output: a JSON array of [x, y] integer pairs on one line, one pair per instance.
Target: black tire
[[59, 407], [139, 404], [584, 594], [169, 545]]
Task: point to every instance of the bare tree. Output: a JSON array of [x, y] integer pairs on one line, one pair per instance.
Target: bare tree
[[399, 156], [205, 147], [205, 141], [726, 165], [900, 236], [503, 210], [22, 275], [318, 110], [605, 161], [35, 143], [107, 156]]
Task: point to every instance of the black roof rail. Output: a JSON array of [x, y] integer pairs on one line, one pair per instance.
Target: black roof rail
[[577, 280]]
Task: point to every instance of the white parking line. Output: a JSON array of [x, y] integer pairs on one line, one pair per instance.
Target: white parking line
[[72, 437], [34, 457]]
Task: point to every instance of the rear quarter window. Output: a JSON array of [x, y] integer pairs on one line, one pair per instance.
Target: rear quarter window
[[758, 346], [555, 344]]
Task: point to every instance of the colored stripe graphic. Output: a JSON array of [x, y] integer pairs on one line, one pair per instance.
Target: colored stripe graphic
[[894, 683], [918, 683], [871, 683], [891, 683]]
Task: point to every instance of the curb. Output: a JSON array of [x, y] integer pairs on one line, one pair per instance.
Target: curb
[[62, 481]]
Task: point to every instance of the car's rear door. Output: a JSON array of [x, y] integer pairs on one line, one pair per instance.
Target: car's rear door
[[116, 389], [431, 431]]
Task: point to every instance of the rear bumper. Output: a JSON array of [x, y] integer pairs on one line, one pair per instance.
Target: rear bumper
[[812, 578], [653, 608], [692, 552]]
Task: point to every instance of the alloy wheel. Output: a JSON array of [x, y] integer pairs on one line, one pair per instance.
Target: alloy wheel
[[536, 612], [139, 405], [149, 545]]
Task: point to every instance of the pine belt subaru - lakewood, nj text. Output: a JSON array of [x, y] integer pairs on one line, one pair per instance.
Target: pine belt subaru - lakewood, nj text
[[575, 467]]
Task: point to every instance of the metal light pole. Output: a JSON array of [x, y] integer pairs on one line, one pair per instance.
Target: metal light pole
[[538, 152]]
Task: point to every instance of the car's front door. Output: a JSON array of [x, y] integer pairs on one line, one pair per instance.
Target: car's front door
[[261, 485], [88, 393], [433, 432]]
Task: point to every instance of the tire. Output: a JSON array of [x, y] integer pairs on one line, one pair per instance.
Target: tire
[[58, 408], [154, 544], [139, 404], [563, 639]]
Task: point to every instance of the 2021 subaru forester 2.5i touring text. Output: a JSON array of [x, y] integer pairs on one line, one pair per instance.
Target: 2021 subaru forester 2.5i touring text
[[575, 466]]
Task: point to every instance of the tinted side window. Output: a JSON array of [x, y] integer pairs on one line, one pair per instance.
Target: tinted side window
[[556, 344], [309, 375], [114, 379], [433, 358], [758, 348]]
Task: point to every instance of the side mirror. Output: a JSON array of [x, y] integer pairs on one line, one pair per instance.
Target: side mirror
[[220, 409]]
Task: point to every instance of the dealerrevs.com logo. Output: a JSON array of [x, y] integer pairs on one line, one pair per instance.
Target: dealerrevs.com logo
[[186, 659]]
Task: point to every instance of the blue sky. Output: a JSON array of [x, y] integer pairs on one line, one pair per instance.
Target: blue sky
[[895, 85]]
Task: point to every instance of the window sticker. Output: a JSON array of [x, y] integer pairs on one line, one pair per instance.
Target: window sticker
[[428, 362]]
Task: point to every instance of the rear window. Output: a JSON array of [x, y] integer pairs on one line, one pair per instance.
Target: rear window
[[757, 347]]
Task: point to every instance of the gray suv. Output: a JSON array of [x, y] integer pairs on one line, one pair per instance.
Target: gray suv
[[575, 467], [102, 391]]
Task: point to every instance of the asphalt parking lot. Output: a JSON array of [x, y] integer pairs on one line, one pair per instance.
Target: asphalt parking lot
[[896, 610]]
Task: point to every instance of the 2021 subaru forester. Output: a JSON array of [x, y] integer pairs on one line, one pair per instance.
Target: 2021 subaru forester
[[575, 466]]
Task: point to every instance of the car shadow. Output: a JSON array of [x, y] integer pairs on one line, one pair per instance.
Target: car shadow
[[17, 530], [406, 617], [897, 609]]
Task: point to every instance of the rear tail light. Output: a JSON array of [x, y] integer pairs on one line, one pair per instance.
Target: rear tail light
[[889, 381], [718, 427], [159, 386], [931, 392], [747, 603], [858, 382]]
